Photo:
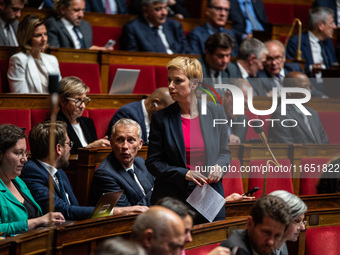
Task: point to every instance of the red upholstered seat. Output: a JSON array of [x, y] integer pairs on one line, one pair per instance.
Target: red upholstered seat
[[323, 240], [202, 250], [251, 133], [279, 13], [39, 115], [161, 76], [101, 119], [275, 180], [301, 11], [88, 72], [18, 117], [146, 82], [331, 122], [102, 34], [309, 180], [232, 181]]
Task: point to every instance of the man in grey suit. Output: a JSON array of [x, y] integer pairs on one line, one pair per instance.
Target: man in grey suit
[[68, 29], [237, 124], [10, 12], [309, 128], [251, 57]]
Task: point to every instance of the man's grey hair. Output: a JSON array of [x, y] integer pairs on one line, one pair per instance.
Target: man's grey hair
[[148, 3], [126, 122], [251, 46], [318, 14], [295, 203]]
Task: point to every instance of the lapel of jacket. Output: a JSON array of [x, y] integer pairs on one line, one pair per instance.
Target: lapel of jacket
[[49, 67], [3, 37], [314, 128], [70, 131], [142, 178], [140, 116], [175, 127], [33, 73], [168, 34], [9, 196], [301, 122], [45, 172], [305, 47], [64, 30]]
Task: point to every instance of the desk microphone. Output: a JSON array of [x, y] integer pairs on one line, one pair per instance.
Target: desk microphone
[[259, 130]]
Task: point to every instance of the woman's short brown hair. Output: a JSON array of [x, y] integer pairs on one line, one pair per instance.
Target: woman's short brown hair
[[72, 86]]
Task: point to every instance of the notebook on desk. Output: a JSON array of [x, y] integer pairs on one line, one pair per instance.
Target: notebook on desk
[[106, 203], [124, 81]]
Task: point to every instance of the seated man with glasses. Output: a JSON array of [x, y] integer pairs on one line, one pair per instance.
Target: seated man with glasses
[[275, 67], [73, 101], [217, 15]]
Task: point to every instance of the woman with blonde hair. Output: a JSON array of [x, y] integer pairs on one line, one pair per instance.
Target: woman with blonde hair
[[182, 139], [29, 69]]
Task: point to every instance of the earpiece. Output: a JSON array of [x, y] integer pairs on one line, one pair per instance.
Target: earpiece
[[155, 104]]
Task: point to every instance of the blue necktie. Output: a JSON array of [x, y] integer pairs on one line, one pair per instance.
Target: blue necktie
[[61, 186], [325, 57], [76, 30], [159, 43], [249, 15]]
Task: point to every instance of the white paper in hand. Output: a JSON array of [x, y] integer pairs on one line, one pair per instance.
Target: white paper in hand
[[206, 201]]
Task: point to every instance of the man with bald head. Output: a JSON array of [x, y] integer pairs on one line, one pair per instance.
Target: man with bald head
[[142, 111], [237, 125], [160, 231], [309, 129], [275, 66]]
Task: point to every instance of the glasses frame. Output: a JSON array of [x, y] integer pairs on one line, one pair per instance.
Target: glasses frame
[[78, 101], [23, 154], [70, 144]]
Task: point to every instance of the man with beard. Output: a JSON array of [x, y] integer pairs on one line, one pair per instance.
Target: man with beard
[[37, 170], [153, 31], [10, 12], [269, 218], [68, 29]]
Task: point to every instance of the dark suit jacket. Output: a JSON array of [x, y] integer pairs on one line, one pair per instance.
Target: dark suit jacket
[[239, 238], [131, 111], [238, 20], [307, 52], [97, 6], [36, 178], [330, 4], [268, 81], [197, 37], [3, 38], [86, 125], [138, 36], [111, 176], [59, 37], [299, 133], [240, 130], [167, 157], [234, 71]]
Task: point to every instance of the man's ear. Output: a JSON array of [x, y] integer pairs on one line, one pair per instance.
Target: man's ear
[[148, 239], [58, 149], [252, 58], [250, 223], [140, 145]]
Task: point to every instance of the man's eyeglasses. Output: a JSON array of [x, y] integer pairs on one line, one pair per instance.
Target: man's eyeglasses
[[22, 154], [70, 144], [78, 101], [220, 9], [276, 58]]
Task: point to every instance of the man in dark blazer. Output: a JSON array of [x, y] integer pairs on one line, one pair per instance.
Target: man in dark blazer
[[37, 171], [153, 31], [266, 224], [217, 15], [240, 25], [251, 57], [98, 6], [10, 12], [237, 132], [318, 37], [309, 128], [275, 67], [330, 4], [68, 29], [122, 170], [142, 111]]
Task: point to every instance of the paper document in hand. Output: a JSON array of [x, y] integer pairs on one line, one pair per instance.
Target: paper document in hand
[[206, 201]]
